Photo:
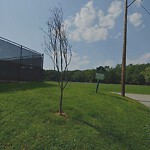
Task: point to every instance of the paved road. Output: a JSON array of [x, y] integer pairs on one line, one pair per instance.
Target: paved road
[[144, 99]]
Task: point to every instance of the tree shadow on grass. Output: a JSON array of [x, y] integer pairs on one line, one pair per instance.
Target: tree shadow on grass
[[13, 87], [109, 133]]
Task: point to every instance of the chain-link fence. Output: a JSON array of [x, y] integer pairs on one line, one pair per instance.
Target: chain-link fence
[[19, 63]]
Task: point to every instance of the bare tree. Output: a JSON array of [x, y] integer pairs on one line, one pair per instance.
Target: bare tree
[[58, 48]]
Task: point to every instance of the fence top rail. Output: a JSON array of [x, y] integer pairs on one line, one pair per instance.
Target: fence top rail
[[14, 43], [22, 57]]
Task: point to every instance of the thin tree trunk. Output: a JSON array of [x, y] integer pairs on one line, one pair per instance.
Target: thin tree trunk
[[61, 98]]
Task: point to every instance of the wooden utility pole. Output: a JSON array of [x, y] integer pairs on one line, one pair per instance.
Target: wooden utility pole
[[123, 74]]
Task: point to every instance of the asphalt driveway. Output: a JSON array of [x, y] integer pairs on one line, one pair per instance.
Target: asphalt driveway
[[144, 99]]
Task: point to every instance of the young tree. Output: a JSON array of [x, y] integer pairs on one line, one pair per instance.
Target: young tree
[[58, 48]]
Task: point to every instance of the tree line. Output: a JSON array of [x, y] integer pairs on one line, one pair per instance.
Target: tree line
[[135, 74], [57, 47]]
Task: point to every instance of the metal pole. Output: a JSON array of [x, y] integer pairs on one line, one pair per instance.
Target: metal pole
[[98, 81], [20, 64], [42, 71], [123, 74]]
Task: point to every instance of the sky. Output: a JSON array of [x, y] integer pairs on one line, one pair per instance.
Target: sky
[[94, 29]]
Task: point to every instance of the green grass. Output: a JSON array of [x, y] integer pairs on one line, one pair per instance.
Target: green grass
[[95, 121], [136, 89]]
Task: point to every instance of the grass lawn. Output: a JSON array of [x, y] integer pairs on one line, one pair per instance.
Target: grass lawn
[[95, 121]]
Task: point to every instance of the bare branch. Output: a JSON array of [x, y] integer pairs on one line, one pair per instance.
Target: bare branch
[[57, 46]]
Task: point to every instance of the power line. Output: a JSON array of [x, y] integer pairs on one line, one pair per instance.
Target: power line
[[145, 9], [131, 3]]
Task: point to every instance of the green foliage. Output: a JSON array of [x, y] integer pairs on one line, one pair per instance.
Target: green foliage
[[78, 76], [135, 74], [90, 75], [146, 75], [95, 121], [51, 75]]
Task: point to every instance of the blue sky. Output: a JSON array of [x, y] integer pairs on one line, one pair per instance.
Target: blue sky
[[95, 29]]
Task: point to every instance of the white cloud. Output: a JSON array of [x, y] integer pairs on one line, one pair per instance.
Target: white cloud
[[115, 9], [107, 21], [107, 62], [86, 16], [136, 19], [91, 24], [138, 3], [110, 63], [116, 36], [95, 34], [145, 58], [78, 62], [114, 12]]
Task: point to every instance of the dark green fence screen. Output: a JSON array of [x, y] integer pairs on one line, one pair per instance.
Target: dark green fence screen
[[19, 63]]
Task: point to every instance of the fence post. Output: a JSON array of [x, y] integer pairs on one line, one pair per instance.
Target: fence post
[[20, 64], [42, 68]]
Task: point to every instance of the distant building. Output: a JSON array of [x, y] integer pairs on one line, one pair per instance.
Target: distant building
[[19, 63]]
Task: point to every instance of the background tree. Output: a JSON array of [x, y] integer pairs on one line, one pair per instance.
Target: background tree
[[146, 74], [58, 48], [135, 74], [78, 76], [90, 75]]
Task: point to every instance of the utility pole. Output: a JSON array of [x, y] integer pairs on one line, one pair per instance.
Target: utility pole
[[123, 74]]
